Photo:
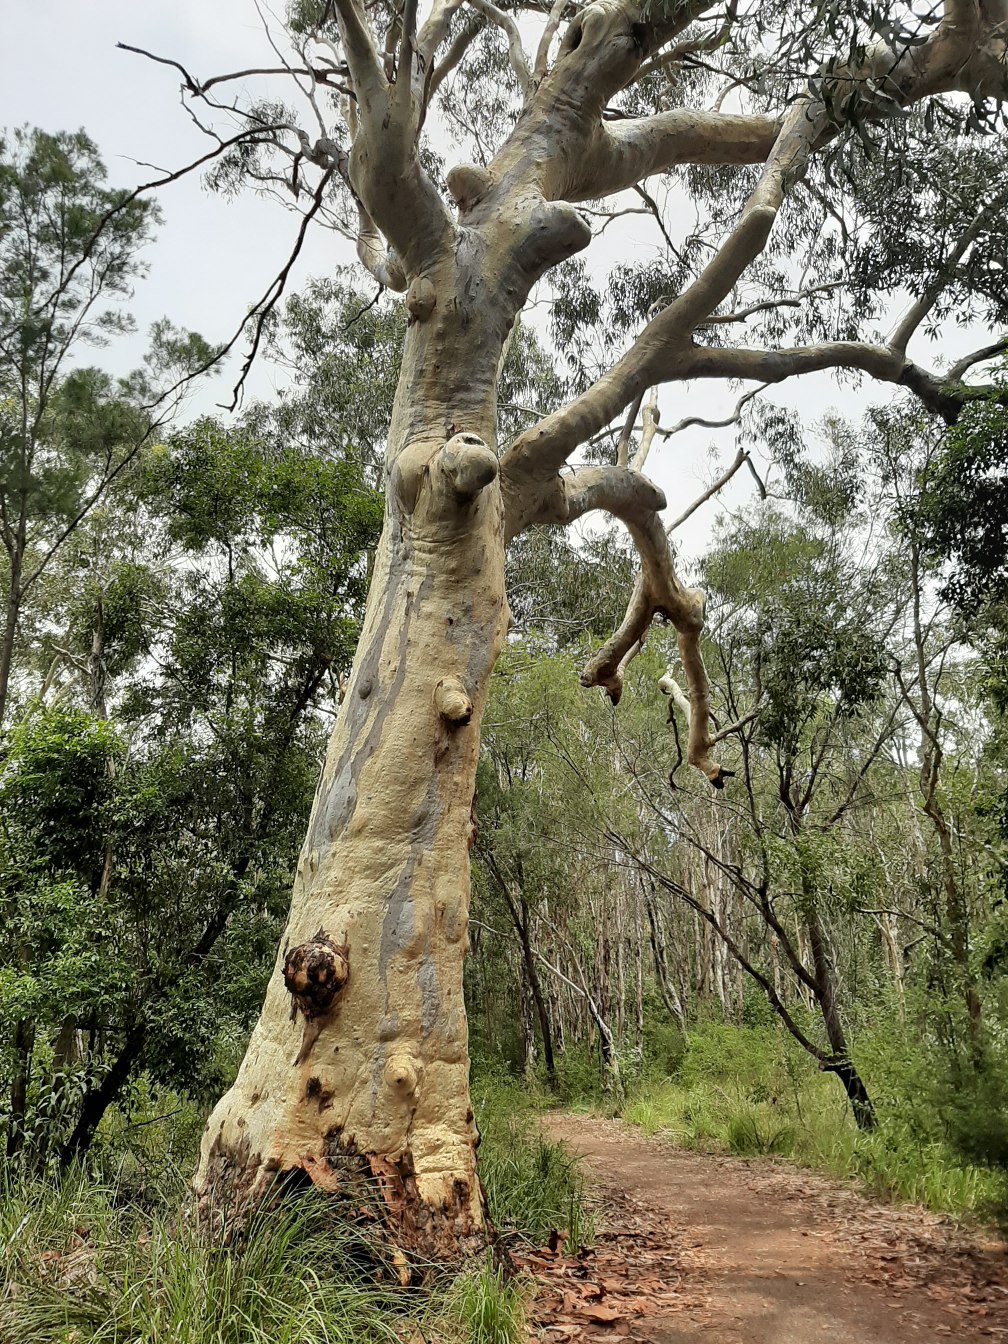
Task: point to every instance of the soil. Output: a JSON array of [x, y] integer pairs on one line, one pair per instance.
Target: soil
[[695, 1246]]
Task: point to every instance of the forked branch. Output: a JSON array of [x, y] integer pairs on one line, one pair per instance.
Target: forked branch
[[637, 503]]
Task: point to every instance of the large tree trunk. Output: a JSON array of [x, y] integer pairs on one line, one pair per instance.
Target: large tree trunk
[[357, 1071]]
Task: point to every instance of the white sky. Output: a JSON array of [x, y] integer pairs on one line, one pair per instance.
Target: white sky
[[59, 69]]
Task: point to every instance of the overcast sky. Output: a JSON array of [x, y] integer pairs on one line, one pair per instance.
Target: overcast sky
[[60, 69]]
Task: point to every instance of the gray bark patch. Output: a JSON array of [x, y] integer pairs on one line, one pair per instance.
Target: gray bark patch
[[430, 995]]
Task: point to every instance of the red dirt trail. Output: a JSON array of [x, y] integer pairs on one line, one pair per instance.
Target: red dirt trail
[[692, 1246]]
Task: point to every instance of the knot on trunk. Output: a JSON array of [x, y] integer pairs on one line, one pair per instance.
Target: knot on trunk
[[452, 702], [469, 464], [401, 1073], [314, 973], [468, 183], [555, 232], [421, 299]]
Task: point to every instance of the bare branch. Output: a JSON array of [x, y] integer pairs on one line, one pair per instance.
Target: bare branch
[[648, 430], [626, 152], [944, 395], [739, 459], [962, 366], [701, 422], [623, 446], [825, 1060], [636, 502], [261, 310], [770, 305], [369, 80], [545, 41], [435, 29], [885, 81], [516, 52], [461, 43], [920, 308], [395, 192]]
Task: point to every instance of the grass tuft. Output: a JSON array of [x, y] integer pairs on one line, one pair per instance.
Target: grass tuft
[[488, 1307], [534, 1185], [78, 1264]]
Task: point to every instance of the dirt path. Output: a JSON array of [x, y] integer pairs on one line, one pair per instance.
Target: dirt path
[[693, 1246]]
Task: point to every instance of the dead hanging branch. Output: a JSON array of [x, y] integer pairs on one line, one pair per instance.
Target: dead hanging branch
[[740, 459], [262, 310], [657, 593]]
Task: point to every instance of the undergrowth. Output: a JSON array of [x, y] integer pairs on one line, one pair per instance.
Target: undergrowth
[[81, 1264], [488, 1307], [534, 1186], [750, 1091], [107, 1254]]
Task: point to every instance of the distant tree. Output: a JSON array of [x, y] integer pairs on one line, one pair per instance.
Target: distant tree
[[70, 251]]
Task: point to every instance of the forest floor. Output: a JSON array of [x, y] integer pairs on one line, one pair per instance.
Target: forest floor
[[692, 1246]]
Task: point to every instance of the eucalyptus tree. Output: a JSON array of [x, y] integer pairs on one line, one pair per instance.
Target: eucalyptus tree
[[71, 249], [764, 116]]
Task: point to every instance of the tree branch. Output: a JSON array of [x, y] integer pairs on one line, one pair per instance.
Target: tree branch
[[740, 458], [626, 152], [962, 366], [636, 502], [920, 308], [882, 82], [945, 396], [516, 52]]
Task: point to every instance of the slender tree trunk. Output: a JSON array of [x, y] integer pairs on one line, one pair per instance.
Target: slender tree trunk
[[528, 1028], [535, 984], [956, 914], [12, 614], [638, 987], [97, 1100], [521, 919], [24, 1043], [669, 995], [828, 996]]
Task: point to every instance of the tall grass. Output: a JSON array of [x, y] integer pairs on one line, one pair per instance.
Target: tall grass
[[534, 1186], [487, 1306], [108, 1255], [80, 1265], [747, 1090]]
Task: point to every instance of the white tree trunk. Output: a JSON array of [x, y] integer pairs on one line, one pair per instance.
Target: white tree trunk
[[364, 1085]]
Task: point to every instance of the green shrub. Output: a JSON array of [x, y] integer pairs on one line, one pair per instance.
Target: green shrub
[[895, 1162]]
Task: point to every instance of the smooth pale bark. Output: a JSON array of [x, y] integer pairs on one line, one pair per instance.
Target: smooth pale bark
[[378, 1086], [371, 1092]]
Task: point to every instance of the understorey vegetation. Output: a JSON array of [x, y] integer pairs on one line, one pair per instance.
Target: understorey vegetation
[[388, 758]]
